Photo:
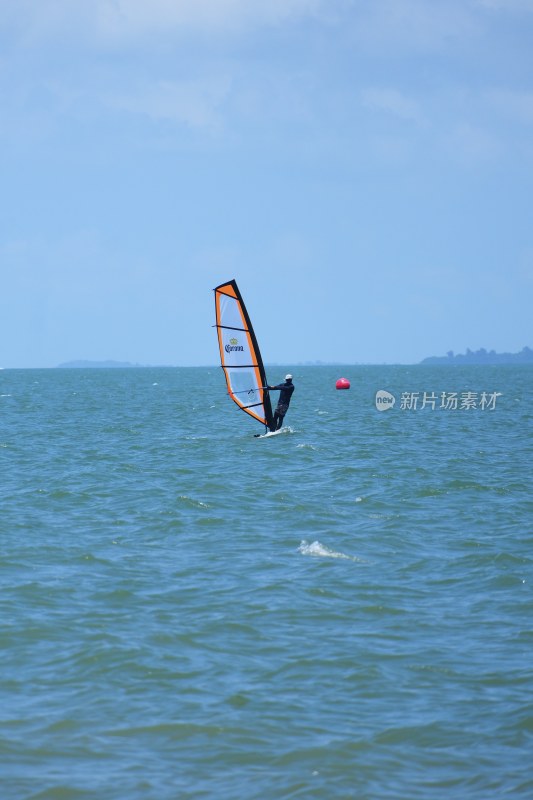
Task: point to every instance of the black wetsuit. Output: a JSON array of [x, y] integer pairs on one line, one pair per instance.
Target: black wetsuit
[[285, 393]]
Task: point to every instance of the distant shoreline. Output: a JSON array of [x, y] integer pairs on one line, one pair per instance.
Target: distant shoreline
[[104, 365], [482, 356]]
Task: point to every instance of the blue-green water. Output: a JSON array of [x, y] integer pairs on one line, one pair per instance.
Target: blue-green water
[[342, 611]]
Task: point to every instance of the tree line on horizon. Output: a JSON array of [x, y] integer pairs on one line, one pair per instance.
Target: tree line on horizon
[[482, 356]]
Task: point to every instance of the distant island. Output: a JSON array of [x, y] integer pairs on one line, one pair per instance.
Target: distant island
[[482, 356]]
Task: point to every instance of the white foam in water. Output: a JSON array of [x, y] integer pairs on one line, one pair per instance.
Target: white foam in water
[[281, 431], [321, 551]]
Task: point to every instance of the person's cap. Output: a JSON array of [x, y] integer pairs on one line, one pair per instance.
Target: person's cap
[[288, 377]]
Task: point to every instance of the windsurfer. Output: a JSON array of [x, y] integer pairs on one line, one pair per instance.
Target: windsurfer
[[285, 393]]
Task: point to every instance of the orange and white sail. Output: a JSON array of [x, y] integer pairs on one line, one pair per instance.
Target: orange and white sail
[[239, 354]]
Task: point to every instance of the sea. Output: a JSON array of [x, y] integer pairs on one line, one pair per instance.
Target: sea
[[344, 610]]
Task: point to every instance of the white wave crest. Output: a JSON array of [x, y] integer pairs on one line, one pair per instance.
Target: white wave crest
[[321, 551]]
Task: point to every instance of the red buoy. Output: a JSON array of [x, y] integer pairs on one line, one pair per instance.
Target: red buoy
[[342, 383]]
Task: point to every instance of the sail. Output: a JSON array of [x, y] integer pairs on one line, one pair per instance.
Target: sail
[[239, 354]]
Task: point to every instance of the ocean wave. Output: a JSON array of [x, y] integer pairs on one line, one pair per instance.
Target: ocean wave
[[321, 551]]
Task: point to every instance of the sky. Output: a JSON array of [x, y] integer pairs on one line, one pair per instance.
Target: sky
[[362, 168]]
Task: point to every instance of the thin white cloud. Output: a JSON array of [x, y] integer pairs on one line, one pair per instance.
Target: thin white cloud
[[195, 103], [136, 17], [507, 5], [131, 21], [394, 102], [514, 106], [416, 26], [472, 144]]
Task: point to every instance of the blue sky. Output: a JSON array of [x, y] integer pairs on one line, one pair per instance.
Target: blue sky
[[363, 168]]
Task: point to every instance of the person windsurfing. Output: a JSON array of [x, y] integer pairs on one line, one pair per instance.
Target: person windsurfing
[[285, 393]]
